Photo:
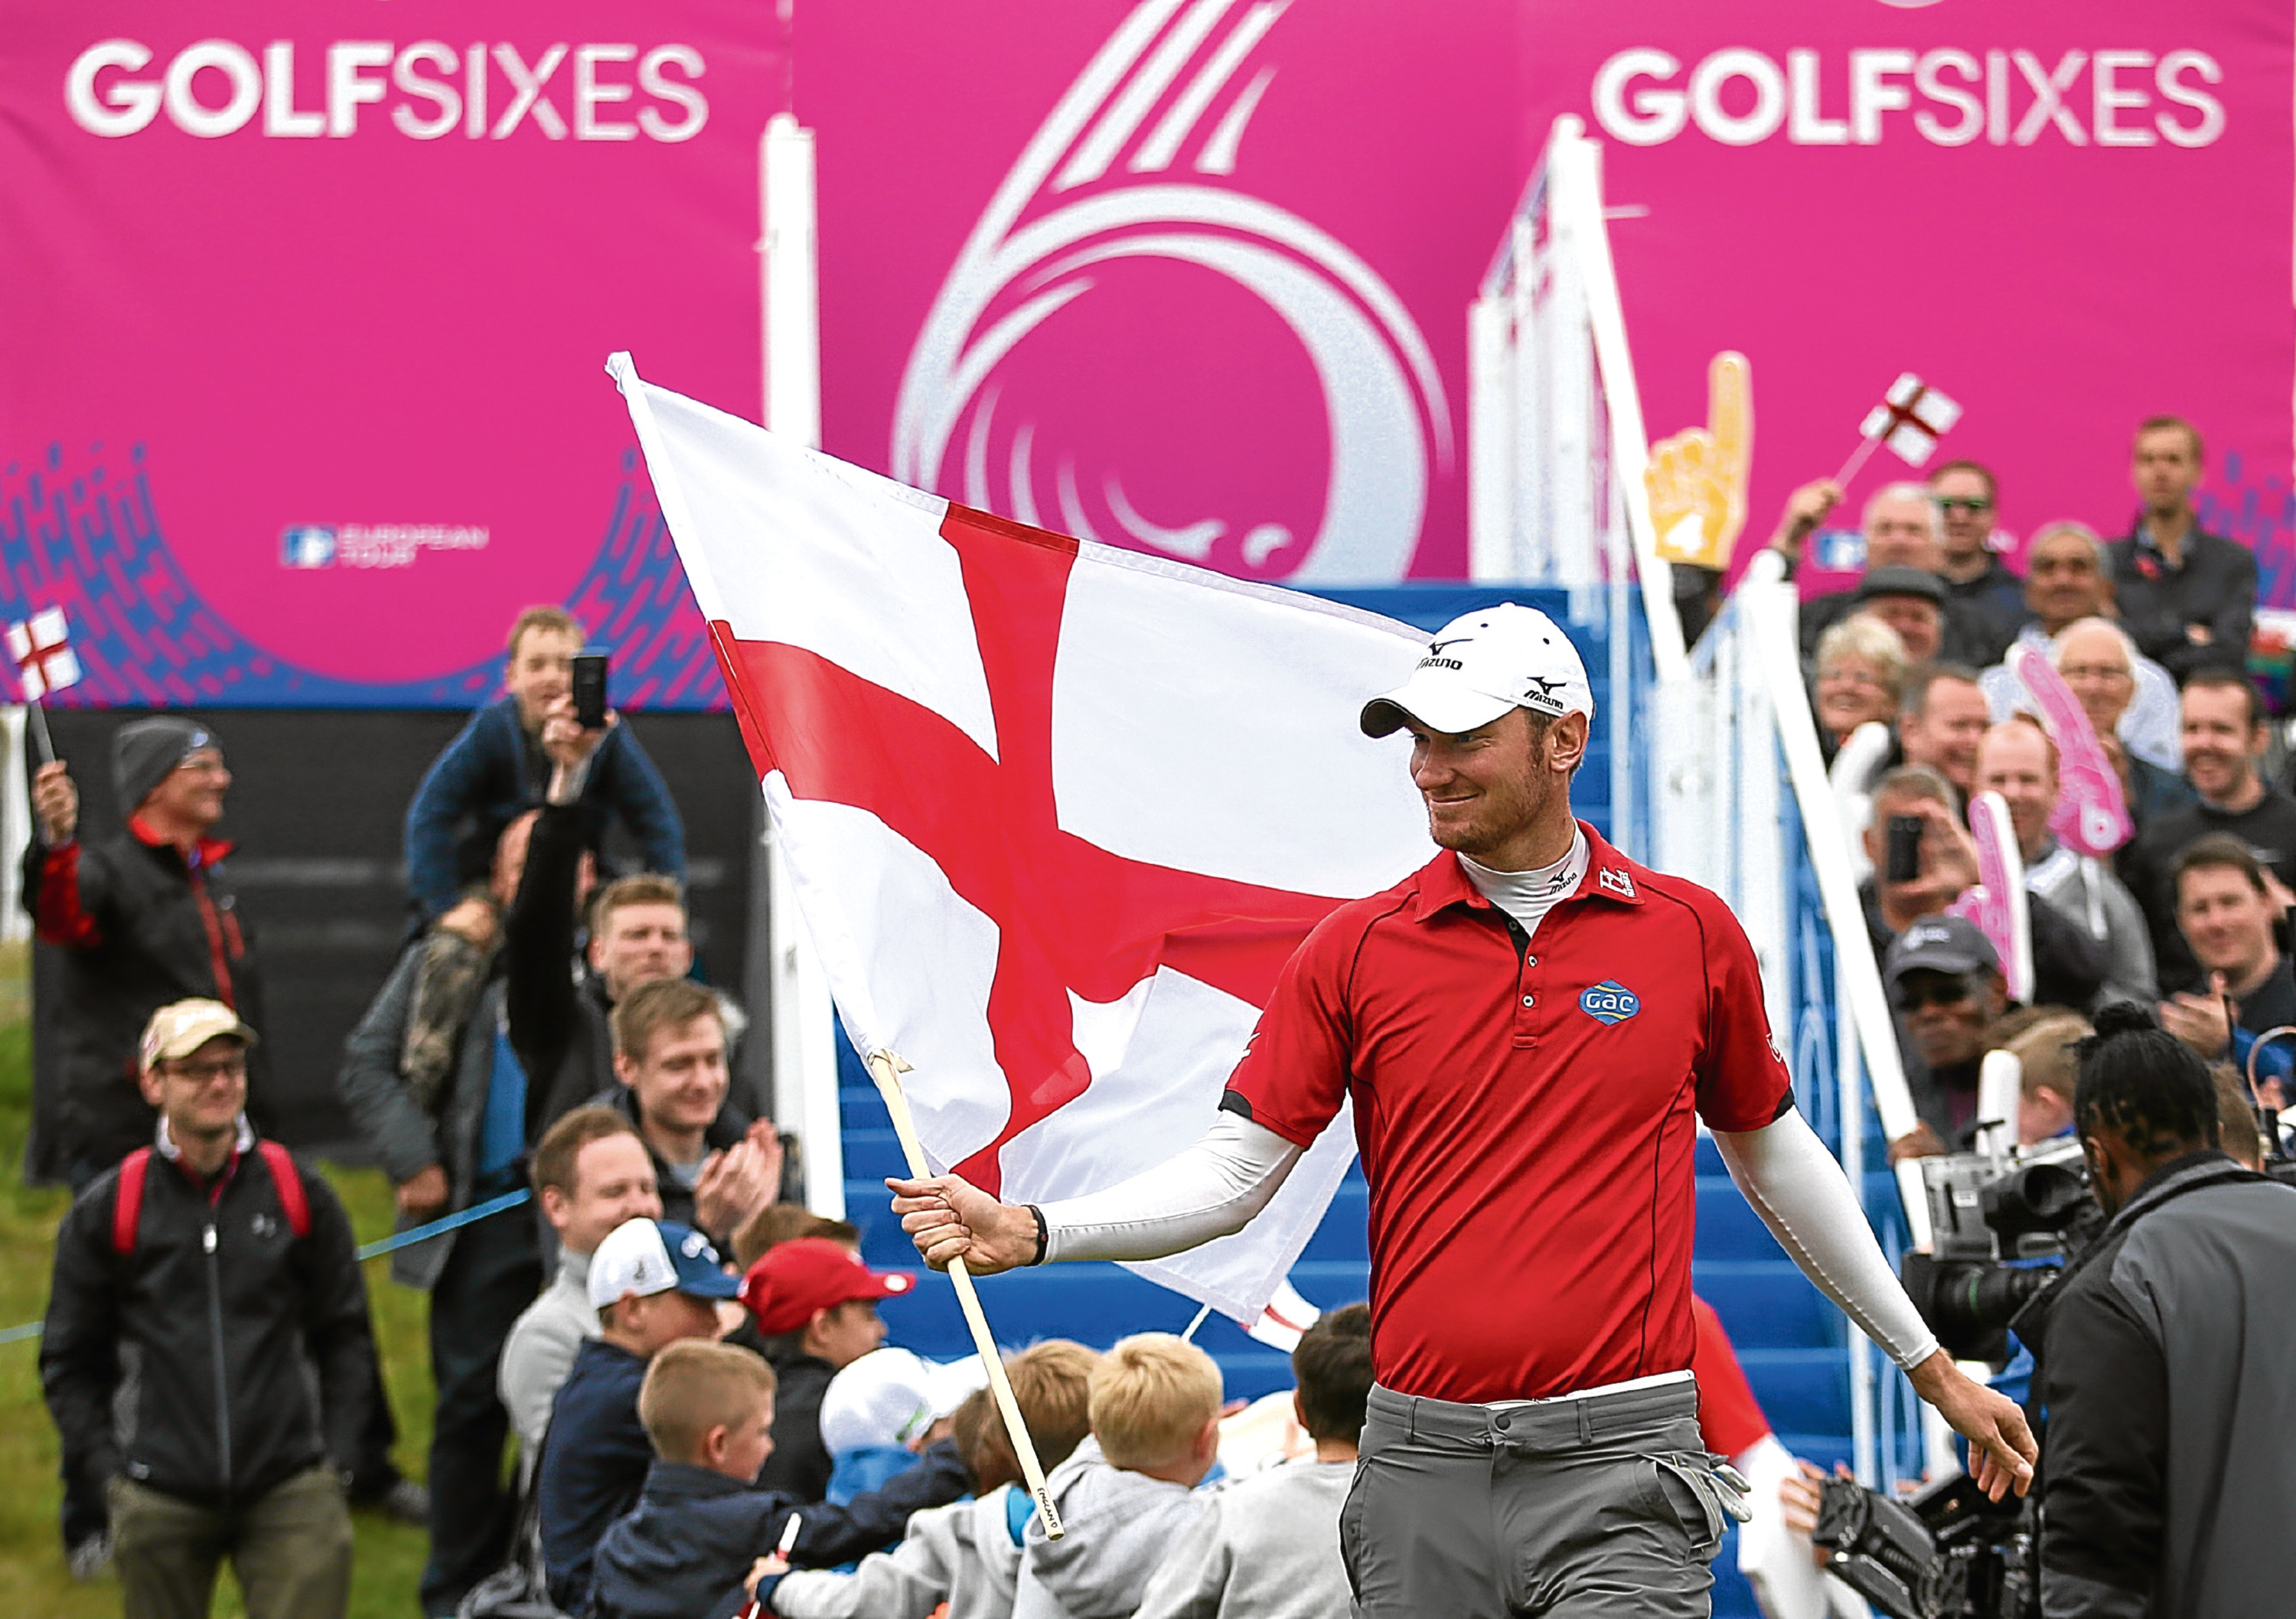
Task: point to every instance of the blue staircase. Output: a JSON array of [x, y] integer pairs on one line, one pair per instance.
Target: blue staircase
[[1789, 1339]]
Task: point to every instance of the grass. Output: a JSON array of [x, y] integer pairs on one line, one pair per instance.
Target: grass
[[34, 1581]]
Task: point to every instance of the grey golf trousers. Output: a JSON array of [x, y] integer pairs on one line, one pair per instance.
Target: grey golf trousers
[[1594, 1507]]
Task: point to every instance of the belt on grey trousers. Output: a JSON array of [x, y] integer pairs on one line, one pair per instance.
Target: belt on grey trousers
[[1546, 1425]]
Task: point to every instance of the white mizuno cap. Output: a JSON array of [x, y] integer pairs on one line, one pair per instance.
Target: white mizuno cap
[[1481, 664]]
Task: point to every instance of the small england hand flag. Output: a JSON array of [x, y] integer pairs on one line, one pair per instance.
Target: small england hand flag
[[1911, 419], [41, 650]]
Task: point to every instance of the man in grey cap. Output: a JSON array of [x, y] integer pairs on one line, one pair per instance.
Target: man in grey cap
[[1946, 986], [139, 919], [1529, 1028]]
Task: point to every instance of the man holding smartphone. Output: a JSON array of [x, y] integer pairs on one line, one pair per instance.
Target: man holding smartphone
[[496, 771]]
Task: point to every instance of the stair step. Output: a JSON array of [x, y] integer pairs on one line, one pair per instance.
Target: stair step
[[1801, 1391], [1767, 1304], [1728, 1229]]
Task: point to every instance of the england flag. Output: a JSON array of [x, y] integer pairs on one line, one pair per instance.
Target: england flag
[[1910, 419], [1056, 814], [40, 647]]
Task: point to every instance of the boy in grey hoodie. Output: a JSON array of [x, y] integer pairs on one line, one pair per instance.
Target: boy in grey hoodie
[[966, 1554], [1268, 1546], [1126, 1494]]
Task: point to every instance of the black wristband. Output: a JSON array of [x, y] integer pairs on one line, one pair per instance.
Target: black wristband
[[1044, 1234]]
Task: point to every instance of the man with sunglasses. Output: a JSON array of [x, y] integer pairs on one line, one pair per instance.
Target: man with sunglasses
[[1903, 529], [1946, 987], [1974, 575]]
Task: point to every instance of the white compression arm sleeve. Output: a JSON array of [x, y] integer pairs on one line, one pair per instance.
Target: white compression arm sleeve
[[1209, 1190], [1800, 1191]]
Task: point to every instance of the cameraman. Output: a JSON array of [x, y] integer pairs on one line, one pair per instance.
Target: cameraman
[[2167, 1354]]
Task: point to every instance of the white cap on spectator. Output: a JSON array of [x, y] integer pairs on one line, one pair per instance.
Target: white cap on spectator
[[954, 1382], [885, 1398], [649, 1256]]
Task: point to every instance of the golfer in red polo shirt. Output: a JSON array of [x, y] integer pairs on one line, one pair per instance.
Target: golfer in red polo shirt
[[1529, 1028]]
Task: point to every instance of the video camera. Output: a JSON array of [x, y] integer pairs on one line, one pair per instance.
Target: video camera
[[1989, 1217], [1945, 1553]]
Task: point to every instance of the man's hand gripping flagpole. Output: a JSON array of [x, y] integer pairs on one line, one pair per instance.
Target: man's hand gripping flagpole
[[886, 1068]]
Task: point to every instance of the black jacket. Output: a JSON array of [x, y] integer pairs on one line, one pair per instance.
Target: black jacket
[[800, 1464], [1996, 598], [2216, 587], [2167, 1361], [683, 1550], [245, 1364], [594, 1463], [728, 1127], [134, 926], [2145, 864], [557, 1010]]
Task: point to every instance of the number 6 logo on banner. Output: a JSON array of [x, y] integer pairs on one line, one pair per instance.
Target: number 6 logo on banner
[[1382, 397]]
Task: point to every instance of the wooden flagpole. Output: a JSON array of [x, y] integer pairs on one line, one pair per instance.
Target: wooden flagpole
[[886, 1068]]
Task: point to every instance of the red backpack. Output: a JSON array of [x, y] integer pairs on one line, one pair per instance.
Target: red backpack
[[286, 1180]]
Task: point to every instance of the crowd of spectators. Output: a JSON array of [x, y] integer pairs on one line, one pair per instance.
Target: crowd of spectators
[[209, 1355], [1920, 708]]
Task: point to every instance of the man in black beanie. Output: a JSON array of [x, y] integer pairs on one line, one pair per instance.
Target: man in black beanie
[[139, 919]]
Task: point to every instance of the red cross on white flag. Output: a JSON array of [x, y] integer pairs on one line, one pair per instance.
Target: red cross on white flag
[[1911, 419], [41, 649], [1056, 814]]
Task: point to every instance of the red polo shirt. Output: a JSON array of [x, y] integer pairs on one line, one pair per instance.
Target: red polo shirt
[[1525, 1115]]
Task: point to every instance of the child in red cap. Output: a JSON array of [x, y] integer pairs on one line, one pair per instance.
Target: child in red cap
[[813, 1304]]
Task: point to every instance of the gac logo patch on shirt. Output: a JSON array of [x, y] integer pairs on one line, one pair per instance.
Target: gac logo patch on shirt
[[1610, 1002]]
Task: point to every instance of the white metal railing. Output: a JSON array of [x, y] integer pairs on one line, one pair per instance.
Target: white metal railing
[[1744, 807], [1558, 450]]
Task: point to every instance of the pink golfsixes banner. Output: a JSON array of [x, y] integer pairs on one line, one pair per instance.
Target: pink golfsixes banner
[[302, 311], [1191, 275], [302, 305]]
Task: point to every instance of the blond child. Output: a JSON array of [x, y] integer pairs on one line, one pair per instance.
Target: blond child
[[700, 1521], [1268, 1545], [1127, 1493]]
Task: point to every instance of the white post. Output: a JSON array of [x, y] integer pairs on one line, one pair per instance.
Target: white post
[[1490, 405], [1574, 163], [15, 829], [790, 285], [803, 1020], [1621, 671]]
